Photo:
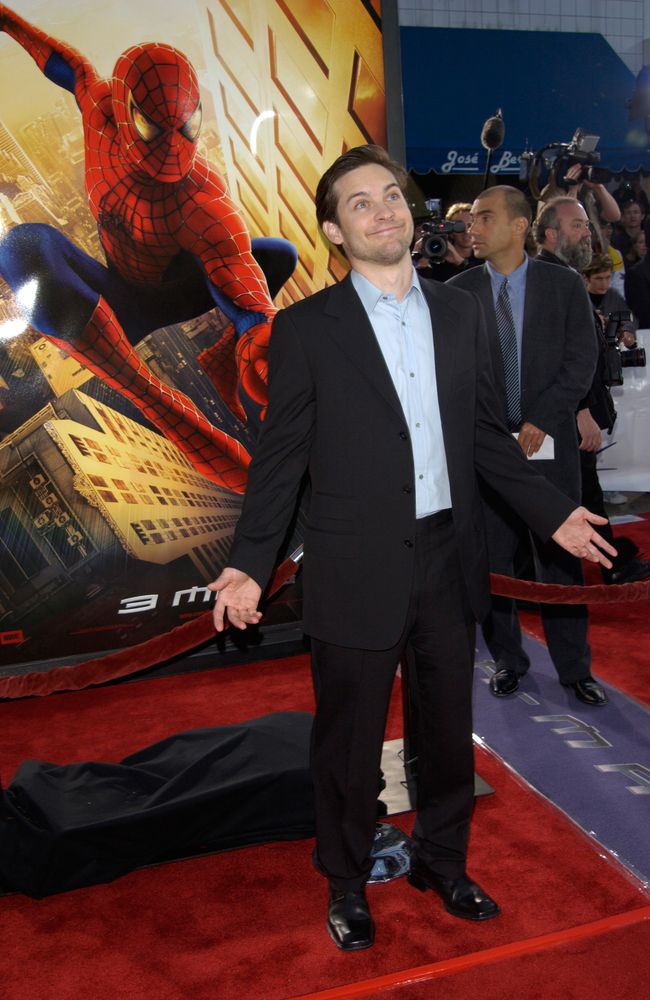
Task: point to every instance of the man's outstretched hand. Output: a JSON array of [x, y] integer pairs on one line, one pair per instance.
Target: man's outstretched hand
[[237, 599], [578, 537]]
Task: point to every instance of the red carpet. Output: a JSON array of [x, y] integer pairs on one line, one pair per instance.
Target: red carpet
[[601, 967], [618, 633], [250, 923]]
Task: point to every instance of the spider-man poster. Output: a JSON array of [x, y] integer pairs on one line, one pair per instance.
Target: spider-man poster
[[157, 169]]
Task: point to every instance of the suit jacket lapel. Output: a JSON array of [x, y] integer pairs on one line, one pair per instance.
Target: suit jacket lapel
[[444, 320], [534, 308], [355, 337], [484, 292]]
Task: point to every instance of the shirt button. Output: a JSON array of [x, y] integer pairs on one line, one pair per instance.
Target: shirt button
[[420, 477], [417, 425], [412, 374], [408, 543], [407, 488]]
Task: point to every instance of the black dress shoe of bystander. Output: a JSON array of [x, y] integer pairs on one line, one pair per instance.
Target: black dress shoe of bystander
[[629, 572], [349, 923], [504, 682], [589, 691], [461, 897]]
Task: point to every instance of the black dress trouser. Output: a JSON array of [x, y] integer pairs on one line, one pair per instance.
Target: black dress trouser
[[353, 688], [565, 625]]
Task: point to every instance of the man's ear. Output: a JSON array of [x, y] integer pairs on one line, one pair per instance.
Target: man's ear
[[333, 233], [522, 225]]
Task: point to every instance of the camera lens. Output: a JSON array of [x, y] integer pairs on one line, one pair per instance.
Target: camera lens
[[435, 247], [634, 358]]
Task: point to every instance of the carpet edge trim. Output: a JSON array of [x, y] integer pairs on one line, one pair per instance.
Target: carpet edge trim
[[488, 956]]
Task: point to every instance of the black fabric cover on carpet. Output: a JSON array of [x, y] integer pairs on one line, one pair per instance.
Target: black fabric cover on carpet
[[72, 825]]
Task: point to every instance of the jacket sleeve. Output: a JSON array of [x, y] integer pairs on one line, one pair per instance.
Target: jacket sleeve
[[280, 457], [573, 379], [637, 295]]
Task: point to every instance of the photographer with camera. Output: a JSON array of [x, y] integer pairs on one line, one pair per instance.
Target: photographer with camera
[[631, 190], [573, 171], [598, 202], [444, 247], [562, 232]]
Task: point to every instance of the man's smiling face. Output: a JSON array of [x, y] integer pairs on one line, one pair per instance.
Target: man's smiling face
[[373, 221]]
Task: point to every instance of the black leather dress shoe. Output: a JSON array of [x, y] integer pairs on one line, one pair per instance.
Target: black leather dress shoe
[[461, 897], [349, 923], [589, 691], [504, 682], [629, 572]]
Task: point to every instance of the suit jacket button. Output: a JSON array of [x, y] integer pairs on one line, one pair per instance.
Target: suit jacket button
[[407, 488], [404, 436], [408, 543]]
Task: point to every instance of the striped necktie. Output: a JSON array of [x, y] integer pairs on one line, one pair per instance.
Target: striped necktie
[[508, 342]]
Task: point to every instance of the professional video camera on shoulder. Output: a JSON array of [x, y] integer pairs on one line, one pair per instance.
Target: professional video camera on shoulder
[[616, 359], [435, 231], [556, 158]]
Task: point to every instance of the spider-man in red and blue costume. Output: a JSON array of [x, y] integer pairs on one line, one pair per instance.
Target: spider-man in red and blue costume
[[176, 246]]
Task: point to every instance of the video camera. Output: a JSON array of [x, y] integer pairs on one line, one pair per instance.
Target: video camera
[[557, 157], [436, 231], [616, 359]]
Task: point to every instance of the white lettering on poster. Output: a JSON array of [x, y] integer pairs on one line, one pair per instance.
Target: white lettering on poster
[[192, 593], [144, 602], [148, 602]]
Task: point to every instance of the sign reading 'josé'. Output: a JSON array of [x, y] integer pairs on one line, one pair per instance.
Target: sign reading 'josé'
[[471, 162]]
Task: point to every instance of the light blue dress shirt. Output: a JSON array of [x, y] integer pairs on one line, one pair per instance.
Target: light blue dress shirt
[[405, 337], [517, 294]]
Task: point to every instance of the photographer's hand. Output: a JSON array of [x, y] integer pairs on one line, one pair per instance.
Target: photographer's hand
[[607, 205], [628, 337], [453, 257], [573, 179]]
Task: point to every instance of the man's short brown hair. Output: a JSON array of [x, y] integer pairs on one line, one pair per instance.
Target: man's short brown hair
[[517, 204], [600, 262], [359, 156]]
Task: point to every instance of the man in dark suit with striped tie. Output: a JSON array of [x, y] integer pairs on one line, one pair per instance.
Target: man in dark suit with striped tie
[[544, 352]]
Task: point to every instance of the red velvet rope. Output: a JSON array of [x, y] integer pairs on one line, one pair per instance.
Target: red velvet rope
[[194, 633], [132, 659], [555, 593]]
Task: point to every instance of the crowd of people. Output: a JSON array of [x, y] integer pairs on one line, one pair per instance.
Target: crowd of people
[[620, 230], [612, 262]]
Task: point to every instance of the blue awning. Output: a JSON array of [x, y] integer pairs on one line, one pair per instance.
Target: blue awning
[[546, 83]]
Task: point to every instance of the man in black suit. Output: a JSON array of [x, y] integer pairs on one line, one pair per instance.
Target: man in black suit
[[393, 424], [553, 359]]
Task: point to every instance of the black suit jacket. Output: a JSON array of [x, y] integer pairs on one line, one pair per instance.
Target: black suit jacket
[[637, 291], [333, 409], [559, 354]]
